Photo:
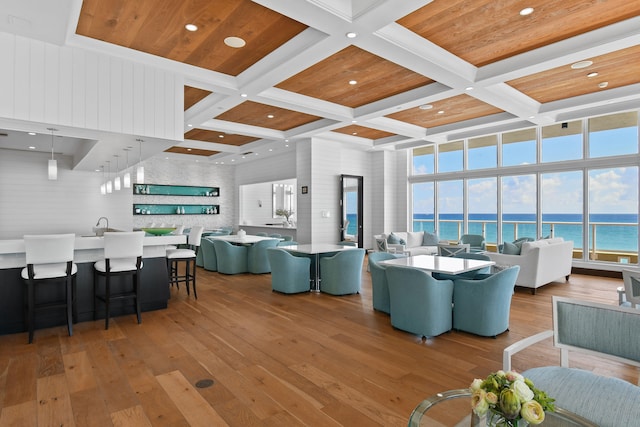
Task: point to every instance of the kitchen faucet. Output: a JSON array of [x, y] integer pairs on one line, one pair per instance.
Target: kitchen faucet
[[100, 219]]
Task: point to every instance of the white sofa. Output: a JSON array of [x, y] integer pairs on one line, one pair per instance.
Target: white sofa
[[540, 262], [413, 244]]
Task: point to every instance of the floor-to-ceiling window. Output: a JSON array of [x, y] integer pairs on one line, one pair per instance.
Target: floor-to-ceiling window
[[577, 180]]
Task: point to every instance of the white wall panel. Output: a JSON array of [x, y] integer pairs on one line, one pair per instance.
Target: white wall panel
[[7, 76], [30, 203], [37, 68], [68, 86]]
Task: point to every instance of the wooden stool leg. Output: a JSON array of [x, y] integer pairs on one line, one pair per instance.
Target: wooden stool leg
[[69, 294], [136, 280], [195, 294], [30, 310], [107, 298]]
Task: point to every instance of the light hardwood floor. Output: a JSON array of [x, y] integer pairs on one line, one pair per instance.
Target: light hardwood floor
[[275, 360]]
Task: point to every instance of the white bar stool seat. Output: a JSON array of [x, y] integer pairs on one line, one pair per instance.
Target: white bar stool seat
[[122, 257], [188, 256], [50, 259]]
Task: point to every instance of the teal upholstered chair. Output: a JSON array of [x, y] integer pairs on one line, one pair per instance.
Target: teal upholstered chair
[[287, 243], [341, 273], [380, 294], [475, 241], [419, 303], [257, 261], [287, 237], [231, 259], [261, 234], [210, 261], [276, 235], [469, 274], [482, 306], [289, 273], [201, 259]]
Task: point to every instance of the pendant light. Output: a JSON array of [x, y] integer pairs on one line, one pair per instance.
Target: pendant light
[[109, 183], [140, 171], [103, 186], [53, 163], [116, 178], [126, 179]]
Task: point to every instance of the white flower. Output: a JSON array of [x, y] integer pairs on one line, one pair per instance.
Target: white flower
[[532, 412], [478, 402], [476, 384], [522, 390]]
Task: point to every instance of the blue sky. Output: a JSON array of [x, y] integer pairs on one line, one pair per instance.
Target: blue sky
[[612, 190]]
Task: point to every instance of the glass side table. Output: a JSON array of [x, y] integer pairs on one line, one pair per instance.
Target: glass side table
[[453, 409]]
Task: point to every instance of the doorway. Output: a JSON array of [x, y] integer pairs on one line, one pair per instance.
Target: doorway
[[351, 203]]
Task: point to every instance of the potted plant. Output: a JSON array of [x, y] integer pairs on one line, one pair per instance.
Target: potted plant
[[285, 213]]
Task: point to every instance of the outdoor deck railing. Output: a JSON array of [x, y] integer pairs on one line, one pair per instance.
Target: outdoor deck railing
[[596, 252]]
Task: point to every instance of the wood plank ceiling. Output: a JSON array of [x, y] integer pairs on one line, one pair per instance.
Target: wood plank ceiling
[[415, 72]]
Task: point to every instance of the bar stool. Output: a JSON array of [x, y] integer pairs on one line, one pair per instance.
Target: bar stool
[[188, 256], [50, 259], [122, 257]]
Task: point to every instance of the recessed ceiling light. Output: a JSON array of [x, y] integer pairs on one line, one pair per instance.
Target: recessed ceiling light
[[233, 160], [441, 112], [31, 147], [32, 133], [220, 136], [270, 149], [191, 27], [244, 95], [270, 116], [592, 74], [581, 64], [426, 107], [190, 125], [603, 85], [354, 133], [353, 82], [352, 35], [188, 149], [526, 11], [234, 42], [468, 88]]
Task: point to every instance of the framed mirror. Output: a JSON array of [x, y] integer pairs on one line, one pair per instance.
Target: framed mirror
[[282, 198], [351, 202]]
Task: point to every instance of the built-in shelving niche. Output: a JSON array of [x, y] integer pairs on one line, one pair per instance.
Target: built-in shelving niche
[[175, 190], [174, 209]]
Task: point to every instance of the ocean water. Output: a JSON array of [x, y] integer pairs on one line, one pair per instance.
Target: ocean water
[[609, 231]]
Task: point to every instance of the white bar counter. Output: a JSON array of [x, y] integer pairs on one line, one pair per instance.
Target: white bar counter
[[87, 249]]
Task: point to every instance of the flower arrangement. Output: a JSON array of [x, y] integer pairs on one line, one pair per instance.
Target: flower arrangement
[[507, 397], [285, 213]]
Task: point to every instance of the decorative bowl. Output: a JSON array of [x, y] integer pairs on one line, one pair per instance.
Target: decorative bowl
[[157, 231]]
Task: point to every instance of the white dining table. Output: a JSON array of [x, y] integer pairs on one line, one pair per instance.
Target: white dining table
[[248, 239], [315, 250], [439, 264]]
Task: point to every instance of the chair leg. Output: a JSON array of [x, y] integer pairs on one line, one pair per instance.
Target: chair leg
[[30, 310], [187, 275], [136, 284], [74, 306], [95, 295], [107, 299], [195, 294], [69, 293]]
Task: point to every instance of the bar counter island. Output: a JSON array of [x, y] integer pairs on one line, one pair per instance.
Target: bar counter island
[[88, 249]]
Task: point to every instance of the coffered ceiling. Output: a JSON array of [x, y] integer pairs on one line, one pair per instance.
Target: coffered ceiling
[[373, 74]]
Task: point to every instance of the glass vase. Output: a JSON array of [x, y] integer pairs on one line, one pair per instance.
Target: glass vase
[[497, 420]]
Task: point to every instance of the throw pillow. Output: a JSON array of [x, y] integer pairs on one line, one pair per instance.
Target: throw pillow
[[429, 239], [393, 239], [510, 249], [381, 244]]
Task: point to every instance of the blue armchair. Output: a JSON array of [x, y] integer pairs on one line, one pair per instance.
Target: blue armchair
[[257, 261], [482, 306], [341, 274], [289, 273], [419, 303], [231, 259], [475, 241], [208, 251], [379, 286], [200, 261]]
